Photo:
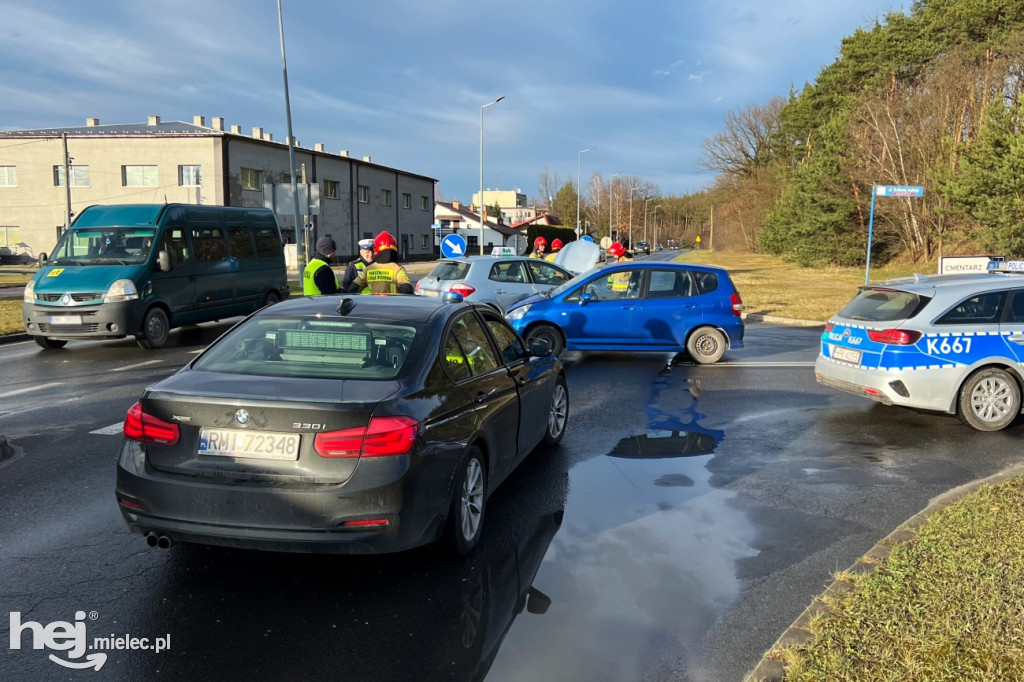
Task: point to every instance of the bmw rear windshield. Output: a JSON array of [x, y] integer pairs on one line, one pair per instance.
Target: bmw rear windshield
[[883, 305], [313, 347]]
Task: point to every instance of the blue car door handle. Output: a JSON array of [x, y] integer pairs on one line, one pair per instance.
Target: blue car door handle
[[628, 307]]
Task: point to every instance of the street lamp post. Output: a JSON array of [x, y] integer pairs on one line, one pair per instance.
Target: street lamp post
[[656, 223], [579, 160], [645, 221], [482, 170], [611, 201], [631, 190]]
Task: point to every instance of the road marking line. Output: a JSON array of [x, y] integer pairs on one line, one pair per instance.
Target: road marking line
[[109, 430], [136, 365], [29, 389], [761, 364]]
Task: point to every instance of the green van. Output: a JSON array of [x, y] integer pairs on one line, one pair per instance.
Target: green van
[[143, 269]]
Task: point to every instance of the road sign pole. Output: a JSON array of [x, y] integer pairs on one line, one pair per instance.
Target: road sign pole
[[871, 227]]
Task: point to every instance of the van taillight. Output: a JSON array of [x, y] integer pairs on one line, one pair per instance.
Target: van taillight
[[148, 429], [737, 303], [894, 337], [382, 437]]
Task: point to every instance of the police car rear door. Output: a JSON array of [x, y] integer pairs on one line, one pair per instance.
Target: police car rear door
[[1012, 327]]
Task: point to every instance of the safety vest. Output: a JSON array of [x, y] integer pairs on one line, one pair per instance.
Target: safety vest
[[551, 257], [309, 287], [360, 265], [536, 254], [620, 280], [383, 278]]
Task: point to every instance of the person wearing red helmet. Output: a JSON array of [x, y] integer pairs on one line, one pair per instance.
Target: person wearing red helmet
[[384, 275], [539, 244], [556, 246], [619, 282]]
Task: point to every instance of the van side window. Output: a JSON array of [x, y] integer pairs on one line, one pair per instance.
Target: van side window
[[241, 243], [209, 244], [268, 244], [174, 243]]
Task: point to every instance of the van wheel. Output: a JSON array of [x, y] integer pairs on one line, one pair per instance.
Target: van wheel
[[706, 345], [466, 515], [51, 344], [271, 298], [155, 329], [989, 400]]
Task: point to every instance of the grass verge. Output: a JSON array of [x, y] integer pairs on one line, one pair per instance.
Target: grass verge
[[10, 316], [948, 605], [770, 286]]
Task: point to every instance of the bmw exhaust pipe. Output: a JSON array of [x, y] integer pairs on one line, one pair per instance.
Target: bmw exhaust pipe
[[161, 541]]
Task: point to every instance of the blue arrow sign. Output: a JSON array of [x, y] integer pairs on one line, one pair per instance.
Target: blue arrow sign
[[453, 246]]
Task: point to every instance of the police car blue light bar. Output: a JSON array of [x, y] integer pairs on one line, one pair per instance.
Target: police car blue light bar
[[1016, 266]]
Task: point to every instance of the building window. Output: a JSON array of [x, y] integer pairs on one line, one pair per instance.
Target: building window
[[190, 176], [330, 189], [424, 203], [251, 179], [406, 201], [364, 194], [385, 197], [79, 176], [9, 235], [8, 176], [423, 241], [140, 176]]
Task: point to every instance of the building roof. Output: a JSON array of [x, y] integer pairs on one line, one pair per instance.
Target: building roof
[[470, 215], [552, 220]]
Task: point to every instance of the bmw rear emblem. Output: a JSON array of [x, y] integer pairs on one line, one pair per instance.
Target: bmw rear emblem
[[242, 417]]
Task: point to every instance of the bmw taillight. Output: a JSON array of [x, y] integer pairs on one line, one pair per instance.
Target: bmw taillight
[[462, 288], [382, 437], [737, 303], [148, 429], [894, 337]]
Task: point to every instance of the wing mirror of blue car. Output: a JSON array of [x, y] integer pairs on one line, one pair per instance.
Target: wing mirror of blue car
[[540, 348], [586, 298]]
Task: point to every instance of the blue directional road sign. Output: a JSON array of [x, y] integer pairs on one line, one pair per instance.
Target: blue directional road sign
[[899, 190], [453, 246]]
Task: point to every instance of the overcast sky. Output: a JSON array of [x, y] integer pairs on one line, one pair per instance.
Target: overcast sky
[[403, 80]]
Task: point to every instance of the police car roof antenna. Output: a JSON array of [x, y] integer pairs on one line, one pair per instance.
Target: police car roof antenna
[[346, 306]]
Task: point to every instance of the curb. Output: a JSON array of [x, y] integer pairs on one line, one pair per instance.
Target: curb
[[797, 634], [772, 319], [13, 338]]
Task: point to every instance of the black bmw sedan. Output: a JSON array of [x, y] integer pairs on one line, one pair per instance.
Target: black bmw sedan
[[330, 424]]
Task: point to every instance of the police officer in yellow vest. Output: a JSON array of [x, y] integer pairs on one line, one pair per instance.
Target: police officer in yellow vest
[[358, 265], [384, 275], [318, 277]]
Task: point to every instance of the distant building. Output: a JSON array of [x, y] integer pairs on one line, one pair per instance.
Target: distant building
[[512, 204], [465, 221], [158, 162]]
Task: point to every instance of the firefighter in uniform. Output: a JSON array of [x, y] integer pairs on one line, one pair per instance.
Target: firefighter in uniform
[[556, 246], [619, 282], [539, 244], [318, 277], [358, 265], [384, 275]]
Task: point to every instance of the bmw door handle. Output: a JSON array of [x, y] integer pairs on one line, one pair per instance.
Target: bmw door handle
[[482, 397], [522, 381]]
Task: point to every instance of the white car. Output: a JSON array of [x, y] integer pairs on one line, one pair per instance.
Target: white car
[[951, 343], [495, 280]]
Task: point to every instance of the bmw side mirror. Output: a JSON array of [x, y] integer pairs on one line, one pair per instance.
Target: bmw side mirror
[[539, 348], [163, 260], [586, 298]]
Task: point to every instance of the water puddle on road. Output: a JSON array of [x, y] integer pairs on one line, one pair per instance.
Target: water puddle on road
[[645, 560]]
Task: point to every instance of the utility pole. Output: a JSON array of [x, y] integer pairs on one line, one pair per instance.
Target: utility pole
[[711, 237], [67, 182]]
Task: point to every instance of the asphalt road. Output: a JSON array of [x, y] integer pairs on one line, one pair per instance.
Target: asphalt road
[[690, 514]]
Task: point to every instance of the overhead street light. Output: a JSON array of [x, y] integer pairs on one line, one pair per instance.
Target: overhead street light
[[482, 170], [579, 158]]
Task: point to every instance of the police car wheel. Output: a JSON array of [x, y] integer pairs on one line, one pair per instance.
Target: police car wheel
[[989, 400], [706, 345], [155, 329]]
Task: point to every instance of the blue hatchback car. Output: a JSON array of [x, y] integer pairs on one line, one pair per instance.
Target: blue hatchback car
[[637, 306]]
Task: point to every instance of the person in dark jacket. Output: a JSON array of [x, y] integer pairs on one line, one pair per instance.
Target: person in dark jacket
[[318, 278], [358, 265]]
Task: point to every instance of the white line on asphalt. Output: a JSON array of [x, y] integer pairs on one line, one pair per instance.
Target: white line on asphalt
[[762, 364], [137, 364], [109, 430], [29, 389]]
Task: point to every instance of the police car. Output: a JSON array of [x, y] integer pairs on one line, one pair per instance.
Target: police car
[[951, 343]]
